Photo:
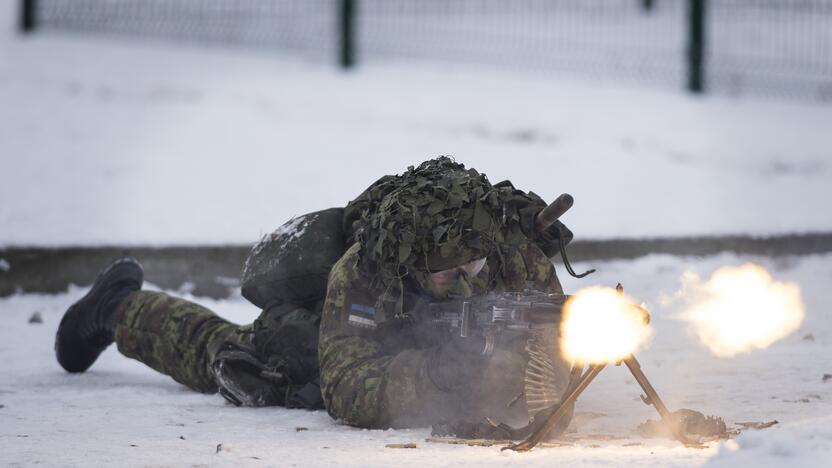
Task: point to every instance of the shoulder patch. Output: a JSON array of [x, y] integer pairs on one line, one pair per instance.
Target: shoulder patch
[[362, 316]]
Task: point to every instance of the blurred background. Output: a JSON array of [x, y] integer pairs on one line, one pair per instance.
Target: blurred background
[[188, 129]]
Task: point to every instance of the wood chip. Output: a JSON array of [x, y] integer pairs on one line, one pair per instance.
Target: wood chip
[[593, 437], [469, 442], [554, 444], [409, 445], [491, 443]]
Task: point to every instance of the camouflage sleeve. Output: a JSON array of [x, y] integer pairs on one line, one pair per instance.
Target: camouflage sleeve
[[530, 267], [365, 381]]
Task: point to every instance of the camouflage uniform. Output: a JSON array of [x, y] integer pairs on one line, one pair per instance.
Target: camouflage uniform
[[375, 348], [182, 339], [174, 336], [377, 375]]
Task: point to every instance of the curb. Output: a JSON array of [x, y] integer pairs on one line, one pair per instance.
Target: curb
[[214, 271]]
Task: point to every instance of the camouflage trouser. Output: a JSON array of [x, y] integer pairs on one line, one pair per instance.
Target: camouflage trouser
[[175, 337]]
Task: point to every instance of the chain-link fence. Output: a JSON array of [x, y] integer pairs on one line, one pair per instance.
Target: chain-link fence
[[770, 47]]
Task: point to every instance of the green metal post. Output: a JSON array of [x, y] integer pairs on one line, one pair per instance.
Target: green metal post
[[696, 46], [346, 14], [28, 17]]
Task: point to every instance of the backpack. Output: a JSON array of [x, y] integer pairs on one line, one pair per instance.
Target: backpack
[[292, 264]]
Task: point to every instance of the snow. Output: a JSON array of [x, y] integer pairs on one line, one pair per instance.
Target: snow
[[292, 229], [121, 412], [4, 265], [8, 11], [804, 444], [107, 141]]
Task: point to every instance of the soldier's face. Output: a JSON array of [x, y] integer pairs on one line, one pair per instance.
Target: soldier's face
[[442, 281]]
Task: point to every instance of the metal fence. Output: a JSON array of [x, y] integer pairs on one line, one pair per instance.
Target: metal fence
[[769, 47]]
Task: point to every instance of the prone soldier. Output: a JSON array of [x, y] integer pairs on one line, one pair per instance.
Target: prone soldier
[[367, 350]]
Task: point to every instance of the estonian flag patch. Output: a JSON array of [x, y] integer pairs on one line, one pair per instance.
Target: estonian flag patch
[[362, 316]]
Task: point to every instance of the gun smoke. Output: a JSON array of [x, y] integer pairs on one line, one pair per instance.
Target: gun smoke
[[738, 309]]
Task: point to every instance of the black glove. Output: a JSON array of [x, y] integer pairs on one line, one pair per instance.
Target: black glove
[[457, 364]]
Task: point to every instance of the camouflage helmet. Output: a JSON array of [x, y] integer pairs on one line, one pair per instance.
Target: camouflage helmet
[[432, 217], [435, 216]]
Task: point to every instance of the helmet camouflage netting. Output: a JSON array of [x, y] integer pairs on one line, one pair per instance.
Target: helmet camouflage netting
[[436, 216]]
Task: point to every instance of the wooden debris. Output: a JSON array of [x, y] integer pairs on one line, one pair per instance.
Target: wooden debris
[[409, 445], [578, 437], [301, 429], [555, 444], [468, 442], [490, 443]]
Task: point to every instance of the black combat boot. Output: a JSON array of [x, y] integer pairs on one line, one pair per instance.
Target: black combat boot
[[88, 326]]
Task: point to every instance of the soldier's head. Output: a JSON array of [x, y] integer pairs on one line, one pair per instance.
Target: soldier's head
[[437, 217]]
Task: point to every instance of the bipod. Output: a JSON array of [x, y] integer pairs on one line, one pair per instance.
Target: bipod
[[558, 412], [652, 398]]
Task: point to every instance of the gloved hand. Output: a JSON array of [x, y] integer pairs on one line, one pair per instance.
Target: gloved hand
[[458, 364]]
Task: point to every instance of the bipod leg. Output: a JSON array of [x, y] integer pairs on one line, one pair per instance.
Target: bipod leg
[[538, 434], [654, 399]]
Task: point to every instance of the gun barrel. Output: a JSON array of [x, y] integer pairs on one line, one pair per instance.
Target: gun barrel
[[555, 210]]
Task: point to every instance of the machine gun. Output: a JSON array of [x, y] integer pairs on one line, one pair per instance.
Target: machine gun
[[497, 314], [524, 312]]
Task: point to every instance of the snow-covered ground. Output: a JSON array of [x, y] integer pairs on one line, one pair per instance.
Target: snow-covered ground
[[122, 413], [107, 141]]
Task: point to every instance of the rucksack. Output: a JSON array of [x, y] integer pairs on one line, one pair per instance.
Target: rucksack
[[291, 265]]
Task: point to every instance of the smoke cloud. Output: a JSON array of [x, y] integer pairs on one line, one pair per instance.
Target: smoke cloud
[[739, 308]]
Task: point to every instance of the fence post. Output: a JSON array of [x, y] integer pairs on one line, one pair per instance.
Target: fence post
[[28, 18], [346, 39], [696, 46]]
